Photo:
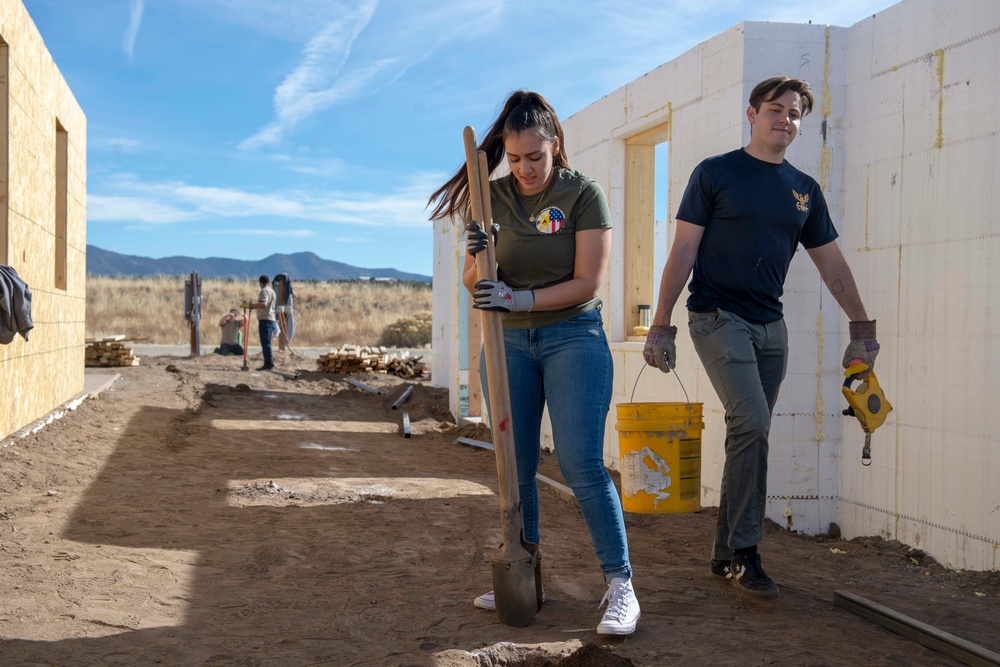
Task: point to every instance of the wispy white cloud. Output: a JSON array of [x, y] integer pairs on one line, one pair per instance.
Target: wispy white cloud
[[135, 20], [157, 203], [313, 84], [131, 208], [340, 63]]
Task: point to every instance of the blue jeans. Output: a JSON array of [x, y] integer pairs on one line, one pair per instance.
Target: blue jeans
[[568, 367], [266, 330], [746, 363]]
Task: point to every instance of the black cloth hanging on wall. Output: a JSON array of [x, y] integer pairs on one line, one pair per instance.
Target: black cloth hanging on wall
[[15, 305]]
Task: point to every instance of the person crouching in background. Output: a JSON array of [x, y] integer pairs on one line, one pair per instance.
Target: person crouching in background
[[232, 324]]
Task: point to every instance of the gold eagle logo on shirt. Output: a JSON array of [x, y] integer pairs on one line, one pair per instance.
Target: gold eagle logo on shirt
[[803, 201]]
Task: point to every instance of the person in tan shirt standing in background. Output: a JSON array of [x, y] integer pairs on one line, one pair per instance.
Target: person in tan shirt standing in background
[[266, 324]]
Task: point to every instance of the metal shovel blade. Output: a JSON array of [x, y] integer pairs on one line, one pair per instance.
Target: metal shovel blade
[[516, 585]]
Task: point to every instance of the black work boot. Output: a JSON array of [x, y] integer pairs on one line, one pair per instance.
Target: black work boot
[[750, 577], [722, 569]]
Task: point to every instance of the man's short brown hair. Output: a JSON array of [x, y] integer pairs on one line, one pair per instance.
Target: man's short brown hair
[[776, 86]]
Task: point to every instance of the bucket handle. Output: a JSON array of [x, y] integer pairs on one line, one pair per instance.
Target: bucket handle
[[672, 370]]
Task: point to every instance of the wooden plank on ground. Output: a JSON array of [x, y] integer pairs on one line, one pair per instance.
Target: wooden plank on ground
[[954, 647]]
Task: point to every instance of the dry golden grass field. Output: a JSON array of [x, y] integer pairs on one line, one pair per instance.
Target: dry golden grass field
[[327, 314]]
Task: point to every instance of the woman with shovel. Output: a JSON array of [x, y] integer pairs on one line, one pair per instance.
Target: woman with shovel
[[552, 234]]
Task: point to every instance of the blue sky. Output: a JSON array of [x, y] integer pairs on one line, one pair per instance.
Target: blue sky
[[241, 128]]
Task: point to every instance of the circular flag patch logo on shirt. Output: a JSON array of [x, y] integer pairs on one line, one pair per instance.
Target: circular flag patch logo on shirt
[[550, 220]]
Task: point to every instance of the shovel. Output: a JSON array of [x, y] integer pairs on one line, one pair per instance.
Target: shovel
[[516, 565]]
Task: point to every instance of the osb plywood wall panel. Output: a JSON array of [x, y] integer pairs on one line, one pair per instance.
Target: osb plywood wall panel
[[38, 375]]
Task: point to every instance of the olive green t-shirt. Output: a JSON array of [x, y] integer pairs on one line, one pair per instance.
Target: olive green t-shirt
[[536, 245]]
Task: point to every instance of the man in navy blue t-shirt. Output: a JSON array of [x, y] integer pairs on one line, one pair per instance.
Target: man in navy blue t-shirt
[[740, 220]]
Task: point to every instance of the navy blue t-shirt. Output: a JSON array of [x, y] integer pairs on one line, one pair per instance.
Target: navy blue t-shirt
[[755, 214]]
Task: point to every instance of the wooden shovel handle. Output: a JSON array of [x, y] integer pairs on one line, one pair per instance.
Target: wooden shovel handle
[[484, 188], [493, 345]]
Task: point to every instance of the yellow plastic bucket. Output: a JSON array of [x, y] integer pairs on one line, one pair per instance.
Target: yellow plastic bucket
[[660, 449]]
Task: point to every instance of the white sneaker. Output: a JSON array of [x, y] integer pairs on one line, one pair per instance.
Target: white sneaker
[[623, 609], [488, 602]]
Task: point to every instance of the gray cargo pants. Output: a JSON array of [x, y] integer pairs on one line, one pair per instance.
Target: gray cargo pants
[[746, 363]]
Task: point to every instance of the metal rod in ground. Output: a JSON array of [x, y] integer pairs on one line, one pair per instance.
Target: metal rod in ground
[[360, 385], [475, 443], [406, 424], [402, 399], [560, 490], [955, 647]]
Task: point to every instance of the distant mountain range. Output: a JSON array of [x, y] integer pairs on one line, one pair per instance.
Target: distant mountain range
[[298, 266]]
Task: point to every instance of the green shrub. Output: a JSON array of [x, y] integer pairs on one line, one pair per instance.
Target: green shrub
[[412, 331]]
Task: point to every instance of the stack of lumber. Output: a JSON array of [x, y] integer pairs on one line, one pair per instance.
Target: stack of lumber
[[369, 359], [354, 359], [111, 351]]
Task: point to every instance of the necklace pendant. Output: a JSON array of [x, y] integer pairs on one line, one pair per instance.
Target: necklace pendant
[[531, 219]]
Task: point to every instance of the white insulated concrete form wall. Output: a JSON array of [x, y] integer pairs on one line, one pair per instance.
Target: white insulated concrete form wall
[[43, 222], [922, 229], [905, 141]]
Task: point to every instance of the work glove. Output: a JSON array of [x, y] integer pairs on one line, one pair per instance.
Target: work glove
[[495, 295], [661, 350], [863, 346], [475, 240]]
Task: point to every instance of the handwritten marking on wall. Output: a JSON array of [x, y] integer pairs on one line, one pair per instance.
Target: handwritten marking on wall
[[939, 54]]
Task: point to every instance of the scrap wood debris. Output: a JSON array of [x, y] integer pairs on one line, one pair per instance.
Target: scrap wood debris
[[370, 359]]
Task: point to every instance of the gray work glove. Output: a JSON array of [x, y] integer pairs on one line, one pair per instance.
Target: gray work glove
[[495, 295], [661, 350], [475, 239], [863, 346]]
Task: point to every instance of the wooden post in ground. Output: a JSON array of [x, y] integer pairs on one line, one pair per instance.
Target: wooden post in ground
[[192, 310]]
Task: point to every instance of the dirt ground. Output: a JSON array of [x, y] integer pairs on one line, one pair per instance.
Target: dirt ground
[[195, 514]]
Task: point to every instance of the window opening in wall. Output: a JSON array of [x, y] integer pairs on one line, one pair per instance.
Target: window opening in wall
[[4, 149], [661, 216], [62, 166], [646, 202]]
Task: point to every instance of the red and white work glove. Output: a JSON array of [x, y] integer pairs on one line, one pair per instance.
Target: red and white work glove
[[495, 295]]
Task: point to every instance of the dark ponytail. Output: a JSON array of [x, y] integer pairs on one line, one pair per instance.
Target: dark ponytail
[[523, 111]]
